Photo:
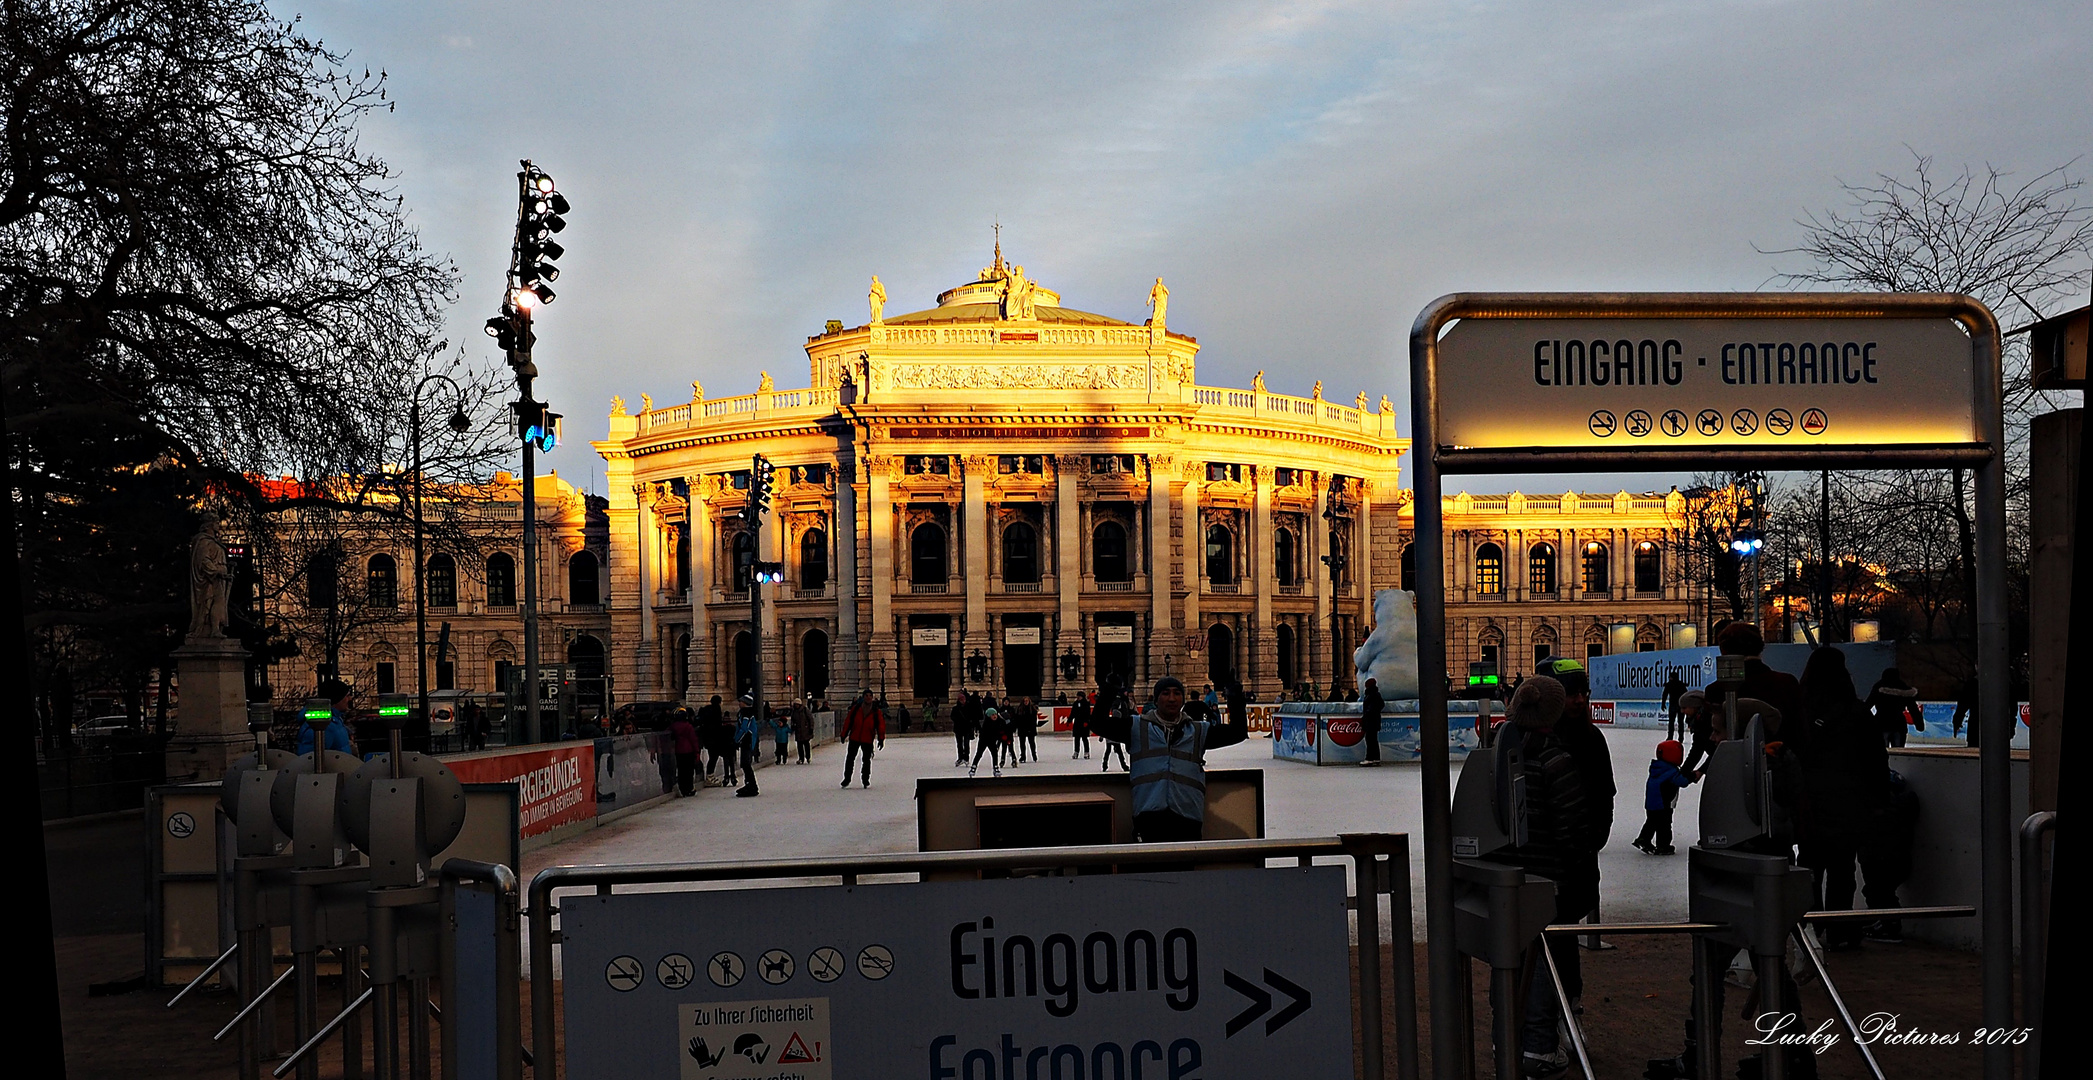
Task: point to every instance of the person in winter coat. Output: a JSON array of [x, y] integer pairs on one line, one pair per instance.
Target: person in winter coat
[[990, 742], [966, 716], [1895, 704], [864, 723], [1846, 785], [1370, 709], [716, 736], [1559, 824], [1079, 727], [1660, 795], [748, 727], [1024, 727], [683, 735], [803, 729], [1169, 750]]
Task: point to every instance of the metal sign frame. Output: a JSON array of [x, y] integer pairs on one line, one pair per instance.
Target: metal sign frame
[[1450, 1045]]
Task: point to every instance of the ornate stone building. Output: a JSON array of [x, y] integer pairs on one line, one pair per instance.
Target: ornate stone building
[[1003, 493]]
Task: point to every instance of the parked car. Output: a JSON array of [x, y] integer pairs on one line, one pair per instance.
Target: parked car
[[102, 727]]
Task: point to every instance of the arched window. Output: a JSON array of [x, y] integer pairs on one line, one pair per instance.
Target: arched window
[[813, 559], [926, 555], [1220, 555], [1108, 552], [1286, 560], [1285, 638], [1409, 577], [1489, 570], [1649, 567], [442, 577], [682, 568], [501, 580], [1596, 577], [744, 544], [322, 579], [1540, 569], [382, 581], [581, 579], [1021, 554]]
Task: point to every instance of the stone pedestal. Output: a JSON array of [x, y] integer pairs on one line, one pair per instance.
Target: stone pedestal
[[211, 720]]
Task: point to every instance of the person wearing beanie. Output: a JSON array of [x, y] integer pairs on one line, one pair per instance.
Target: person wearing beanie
[[992, 729], [1559, 821], [1659, 797], [1167, 749]]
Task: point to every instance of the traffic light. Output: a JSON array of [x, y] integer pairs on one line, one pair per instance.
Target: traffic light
[[762, 476], [768, 573], [538, 218], [536, 424]]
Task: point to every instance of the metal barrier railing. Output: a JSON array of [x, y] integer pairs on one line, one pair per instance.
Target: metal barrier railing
[[1803, 941], [1366, 850], [2034, 928]]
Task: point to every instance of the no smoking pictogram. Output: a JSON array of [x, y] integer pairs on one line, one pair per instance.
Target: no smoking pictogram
[[1814, 421], [623, 973], [1602, 423]]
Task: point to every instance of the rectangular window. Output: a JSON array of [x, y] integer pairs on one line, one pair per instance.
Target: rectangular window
[[501, 676], [387, 677], [927, 465], [1542, 652], [813, 474], [445, 675], [1594, 649], [1111, 463], [1285, 477], [1219, 471], [739, 481], [1020, 464], [1647, 646]]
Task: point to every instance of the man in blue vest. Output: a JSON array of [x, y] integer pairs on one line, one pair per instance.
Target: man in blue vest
[[1168, 749]]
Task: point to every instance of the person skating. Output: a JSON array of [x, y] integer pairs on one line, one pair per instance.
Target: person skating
[[716, 736], [990, 742], [1660, 796], [862, 724], [780, 734], [683, 736], [1079, 727], [1024, 725], [747, 729], [966, 717], [1370, 709], [1105, 721], [803, 729]]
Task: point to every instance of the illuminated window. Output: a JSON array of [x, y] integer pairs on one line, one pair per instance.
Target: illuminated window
[[1649, 567], [1540, 569], [1597, 579], [1489, 570], [442, 575]]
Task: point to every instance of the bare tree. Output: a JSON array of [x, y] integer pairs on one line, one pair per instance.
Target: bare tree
[[2020, 247]]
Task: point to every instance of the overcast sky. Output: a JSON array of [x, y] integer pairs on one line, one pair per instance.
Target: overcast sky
[[1305, 177]]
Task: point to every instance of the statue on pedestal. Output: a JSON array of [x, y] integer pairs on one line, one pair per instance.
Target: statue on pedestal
[[210, 581], [878, 297]]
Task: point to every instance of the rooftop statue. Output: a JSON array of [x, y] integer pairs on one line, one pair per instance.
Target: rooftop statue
[[1159, 299], [878, 297]]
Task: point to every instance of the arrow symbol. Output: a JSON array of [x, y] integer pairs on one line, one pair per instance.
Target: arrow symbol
[[1261, 1001]]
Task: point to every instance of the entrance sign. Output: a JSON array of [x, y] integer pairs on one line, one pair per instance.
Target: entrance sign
[[1705, 383], [1140, 974], [1108, 634], [1561, 382], [928, 635]]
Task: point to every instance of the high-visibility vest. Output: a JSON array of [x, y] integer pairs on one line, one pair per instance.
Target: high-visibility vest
[[1168, 775]]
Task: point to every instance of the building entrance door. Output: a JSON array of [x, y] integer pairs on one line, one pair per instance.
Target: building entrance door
[[1021, 671], [932, 665]]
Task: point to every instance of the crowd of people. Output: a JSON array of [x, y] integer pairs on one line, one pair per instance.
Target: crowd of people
[[1838, 807]]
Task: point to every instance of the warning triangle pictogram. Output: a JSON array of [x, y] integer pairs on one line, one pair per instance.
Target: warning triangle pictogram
[[795, 1052]]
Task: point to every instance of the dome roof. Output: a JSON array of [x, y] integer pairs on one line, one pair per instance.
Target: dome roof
[[1001, 292]]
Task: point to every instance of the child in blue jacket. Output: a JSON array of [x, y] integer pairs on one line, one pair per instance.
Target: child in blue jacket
[[1661, 795]]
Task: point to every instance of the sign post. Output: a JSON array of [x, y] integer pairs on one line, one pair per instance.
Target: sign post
[[1560, 382]]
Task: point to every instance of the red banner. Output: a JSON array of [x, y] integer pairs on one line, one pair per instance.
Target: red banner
[[554, 785]]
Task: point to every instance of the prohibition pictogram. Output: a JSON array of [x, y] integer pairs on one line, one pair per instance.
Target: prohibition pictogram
[[1674, 423], [875, 962], [180, 825], [1744, 421], [1602, 423], [1779, 421], [825, 964], [1638, 423], [1814, 421], [675, 971], [1709, 422], [624, 973], [775, 966], [726, 969]]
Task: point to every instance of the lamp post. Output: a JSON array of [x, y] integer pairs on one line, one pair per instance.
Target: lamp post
[[461, 424], [882, 678]]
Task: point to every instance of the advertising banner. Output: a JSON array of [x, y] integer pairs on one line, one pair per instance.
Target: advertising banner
[[1630, 714], [1293, 737], [630, 769], [555, 786], [1058, 715], [1146, 974]]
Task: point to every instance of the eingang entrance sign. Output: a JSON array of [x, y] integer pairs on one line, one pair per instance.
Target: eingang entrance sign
[[1696, 384], [1556, 382]]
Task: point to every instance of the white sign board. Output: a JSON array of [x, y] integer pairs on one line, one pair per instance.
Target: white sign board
[[1618, 384], [1115, 635], [1021, 635], [928, 635], [1141, 974]]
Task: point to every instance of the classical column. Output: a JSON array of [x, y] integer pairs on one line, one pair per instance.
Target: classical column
[[1319, 669], [630, 516], [1363, 552], [879, 519], [1161, 636], [704, 543], [843, 541], [1194, 544], [974, 549], [1068, 555], [1258, 551]]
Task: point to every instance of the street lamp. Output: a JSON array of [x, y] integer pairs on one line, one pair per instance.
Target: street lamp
[[460, 424], [882, 678]]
